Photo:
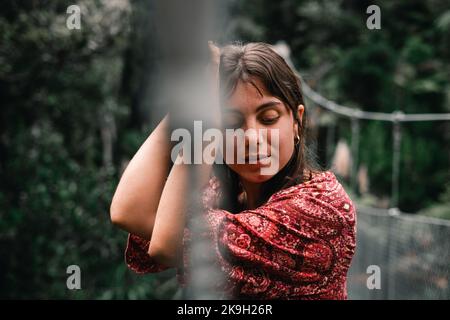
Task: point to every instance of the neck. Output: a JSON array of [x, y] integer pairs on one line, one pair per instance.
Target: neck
[[253, 192]]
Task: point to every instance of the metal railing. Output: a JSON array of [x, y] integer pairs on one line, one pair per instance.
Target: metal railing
[[411, 253]]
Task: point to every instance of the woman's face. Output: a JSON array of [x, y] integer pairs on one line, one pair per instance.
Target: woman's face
[[250, 108]]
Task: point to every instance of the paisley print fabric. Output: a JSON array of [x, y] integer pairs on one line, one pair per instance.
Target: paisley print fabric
[[298, 245]]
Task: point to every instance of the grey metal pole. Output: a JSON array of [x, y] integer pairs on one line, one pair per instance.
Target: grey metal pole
[[330, 140], [396, 136], [184, 28], [355, 153]]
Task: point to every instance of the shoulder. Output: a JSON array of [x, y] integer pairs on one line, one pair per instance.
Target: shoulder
[[322, 196], [321, 183], [304, 233]]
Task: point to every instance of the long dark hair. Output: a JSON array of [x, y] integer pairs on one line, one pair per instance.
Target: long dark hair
[[259, 61]]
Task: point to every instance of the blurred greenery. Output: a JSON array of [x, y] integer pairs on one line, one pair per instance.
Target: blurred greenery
[[65, 129], [75, 106]]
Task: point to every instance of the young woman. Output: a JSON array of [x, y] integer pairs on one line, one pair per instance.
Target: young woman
[[288, 235]]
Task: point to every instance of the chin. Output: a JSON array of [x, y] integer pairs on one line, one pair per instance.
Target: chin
[[255, 177]]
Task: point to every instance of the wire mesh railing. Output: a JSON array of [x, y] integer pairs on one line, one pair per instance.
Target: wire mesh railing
[[409, 253]]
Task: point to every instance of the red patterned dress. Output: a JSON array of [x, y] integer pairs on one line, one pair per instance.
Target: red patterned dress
[[298, 245]]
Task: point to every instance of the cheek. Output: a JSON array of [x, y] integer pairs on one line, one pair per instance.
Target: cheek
[[286, 147], [229, 151]]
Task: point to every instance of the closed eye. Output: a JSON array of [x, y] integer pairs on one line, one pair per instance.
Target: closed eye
[[269, 117], [270, 120]]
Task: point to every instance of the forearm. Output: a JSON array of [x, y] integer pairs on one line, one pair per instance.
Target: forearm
[[137, 196], [167, 238]]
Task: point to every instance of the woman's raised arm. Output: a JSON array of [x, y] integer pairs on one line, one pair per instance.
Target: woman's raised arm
[[137, 196], [166, 244]]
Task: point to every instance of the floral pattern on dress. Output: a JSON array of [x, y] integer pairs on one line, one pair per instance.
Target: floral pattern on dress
[[298, 245]]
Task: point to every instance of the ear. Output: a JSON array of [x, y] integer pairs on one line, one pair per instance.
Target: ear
[[300, 111]]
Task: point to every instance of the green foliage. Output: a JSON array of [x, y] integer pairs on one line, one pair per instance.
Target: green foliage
[[74, 108], [59, 102]]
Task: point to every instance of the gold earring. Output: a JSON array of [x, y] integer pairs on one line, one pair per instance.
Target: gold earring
[[297, 139]]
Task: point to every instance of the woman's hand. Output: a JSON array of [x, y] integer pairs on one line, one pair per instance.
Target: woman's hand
[[151, 202], [167, 238], [214, 52]]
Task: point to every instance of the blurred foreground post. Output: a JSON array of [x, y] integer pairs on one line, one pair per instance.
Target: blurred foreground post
[[184, 28]]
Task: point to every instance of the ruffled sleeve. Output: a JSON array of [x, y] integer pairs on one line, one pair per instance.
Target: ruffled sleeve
[[137, 258], [298, 245]]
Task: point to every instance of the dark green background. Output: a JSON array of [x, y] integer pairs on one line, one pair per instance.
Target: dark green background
[[75, 106]]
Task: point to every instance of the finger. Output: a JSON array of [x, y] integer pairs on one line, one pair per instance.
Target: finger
[[214, 51]]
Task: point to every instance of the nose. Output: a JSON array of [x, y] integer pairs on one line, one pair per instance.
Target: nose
[[252, 134], [257, 138]]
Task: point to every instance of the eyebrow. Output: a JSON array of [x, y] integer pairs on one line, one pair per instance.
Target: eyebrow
[[267, 105], [260, 107]]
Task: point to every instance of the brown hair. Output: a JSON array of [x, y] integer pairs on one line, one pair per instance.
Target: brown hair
[[259, 61]]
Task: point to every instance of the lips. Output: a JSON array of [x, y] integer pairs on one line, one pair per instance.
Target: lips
[[256, 158]]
